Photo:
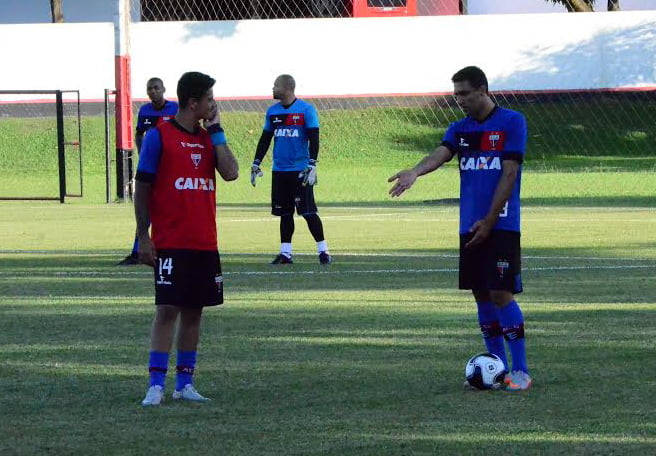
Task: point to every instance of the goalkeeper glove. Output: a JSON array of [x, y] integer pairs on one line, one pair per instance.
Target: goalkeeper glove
[[255, 171], [309, 174]]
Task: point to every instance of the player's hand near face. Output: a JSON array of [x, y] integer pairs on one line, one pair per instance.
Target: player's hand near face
[[481, 230], [213, 117], [147, 252], [404, 180]]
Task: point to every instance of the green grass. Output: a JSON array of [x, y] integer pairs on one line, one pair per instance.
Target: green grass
[[592, 151], [365, 357]]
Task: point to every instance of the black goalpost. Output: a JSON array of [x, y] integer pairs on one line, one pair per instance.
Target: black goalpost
[[32, 123]]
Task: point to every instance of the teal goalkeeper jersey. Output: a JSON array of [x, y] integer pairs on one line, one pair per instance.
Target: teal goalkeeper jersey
[[289, 127]]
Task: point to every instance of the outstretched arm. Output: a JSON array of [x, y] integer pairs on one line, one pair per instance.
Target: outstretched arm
[[406, 178]]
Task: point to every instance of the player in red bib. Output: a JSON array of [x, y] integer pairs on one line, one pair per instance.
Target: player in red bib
[[175, 190]]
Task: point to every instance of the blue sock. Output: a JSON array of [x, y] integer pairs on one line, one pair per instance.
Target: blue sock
[[135, 246], [157, 367], [488, 319], [185, 369], [512, 322]]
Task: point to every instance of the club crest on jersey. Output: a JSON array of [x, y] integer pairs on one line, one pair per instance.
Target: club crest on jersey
[[295, 119], [194, 183], [493, 140], [195, 159], [479, 163], [502, 267]]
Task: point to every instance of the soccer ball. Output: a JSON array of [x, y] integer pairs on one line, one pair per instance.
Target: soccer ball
[[485, 371]]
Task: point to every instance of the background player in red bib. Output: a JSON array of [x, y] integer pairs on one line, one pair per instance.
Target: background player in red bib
[[150, 115], [490, 143], [175, 190]]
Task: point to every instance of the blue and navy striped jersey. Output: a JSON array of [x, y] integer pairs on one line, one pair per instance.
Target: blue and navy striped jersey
[[289, 127], [481, 148]]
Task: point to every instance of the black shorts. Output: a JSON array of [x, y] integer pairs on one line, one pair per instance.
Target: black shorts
[[493, 265], [188, 278], [288, 193]]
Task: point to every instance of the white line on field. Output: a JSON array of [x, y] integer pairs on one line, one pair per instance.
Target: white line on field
[[145, 272], [113, 253]]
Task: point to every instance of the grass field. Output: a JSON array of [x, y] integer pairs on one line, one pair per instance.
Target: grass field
[[365, 357], [581, 150]]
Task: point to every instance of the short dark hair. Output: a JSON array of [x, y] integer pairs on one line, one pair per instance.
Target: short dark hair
[[155, 79], [193, 85], [472, 74]]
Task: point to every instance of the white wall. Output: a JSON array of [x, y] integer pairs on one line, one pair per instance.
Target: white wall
[[332, 57]]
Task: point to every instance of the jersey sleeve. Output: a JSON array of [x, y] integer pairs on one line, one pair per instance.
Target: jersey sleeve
[[516, 138], [449, 138], [268, 126], [141, 128], [149, 156], [311, 117]]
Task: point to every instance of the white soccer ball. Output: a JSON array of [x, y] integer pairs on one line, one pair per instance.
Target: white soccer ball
[[485, 371]]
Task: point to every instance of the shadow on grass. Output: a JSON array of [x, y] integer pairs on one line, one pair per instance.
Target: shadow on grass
[[573, 201], [583, 274]]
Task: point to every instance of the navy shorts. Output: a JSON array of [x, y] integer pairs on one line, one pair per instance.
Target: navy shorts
[[494, 264], [188, 278], [288, 193]]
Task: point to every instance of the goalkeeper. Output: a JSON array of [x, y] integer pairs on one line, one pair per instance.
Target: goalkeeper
[[294, 126]]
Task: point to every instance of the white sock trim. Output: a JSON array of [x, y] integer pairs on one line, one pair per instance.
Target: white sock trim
[[322, 246], [286, 248]]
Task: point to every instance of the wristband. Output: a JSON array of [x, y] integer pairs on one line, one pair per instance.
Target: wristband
[[219, 138], [214, 128]]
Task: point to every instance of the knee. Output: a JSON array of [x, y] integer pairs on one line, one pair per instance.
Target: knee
[[166, 315], [481, 295], [191, 317], [501, 298]]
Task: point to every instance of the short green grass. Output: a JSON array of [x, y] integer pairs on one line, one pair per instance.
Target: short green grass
[[364, 357], [580, 150]]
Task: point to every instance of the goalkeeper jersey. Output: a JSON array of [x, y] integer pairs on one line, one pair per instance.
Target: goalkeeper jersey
[[289, 127], [481, 148], [150, 117]]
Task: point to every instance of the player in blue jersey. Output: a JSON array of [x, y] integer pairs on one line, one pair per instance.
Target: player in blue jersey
[[150, 115], [293, 124], [490, 144]]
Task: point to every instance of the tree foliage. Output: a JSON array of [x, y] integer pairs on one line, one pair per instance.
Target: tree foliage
[[580, 6]]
